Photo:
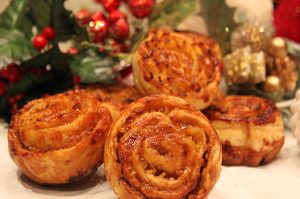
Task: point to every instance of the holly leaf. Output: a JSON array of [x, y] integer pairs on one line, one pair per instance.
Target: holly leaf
[[219, 20], [93, 67], [15, 16], [53, 13], [171, 12], [14, 46], [54, 57]]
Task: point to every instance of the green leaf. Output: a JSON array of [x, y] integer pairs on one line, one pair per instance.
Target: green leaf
[[15, 16], [14, 46], [93, 67], [219, 20], [54, 57], [172, 12], [53, 13]]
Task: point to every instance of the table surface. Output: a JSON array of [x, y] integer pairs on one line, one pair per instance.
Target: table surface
[[277, 180]]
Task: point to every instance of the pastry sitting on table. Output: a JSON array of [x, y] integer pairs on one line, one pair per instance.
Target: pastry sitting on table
[[59, 139], [182, 64], [250, 128], [162, 147]]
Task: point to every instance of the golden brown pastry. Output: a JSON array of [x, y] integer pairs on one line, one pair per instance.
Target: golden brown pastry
[[162, 147], [115, 97], [60, 138], [178, 63], [250, 129]]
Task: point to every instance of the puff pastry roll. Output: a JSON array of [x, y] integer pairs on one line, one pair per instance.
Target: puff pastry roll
[[250, 129], [115, 97], [162, 147], [60, 138], [182, 64]]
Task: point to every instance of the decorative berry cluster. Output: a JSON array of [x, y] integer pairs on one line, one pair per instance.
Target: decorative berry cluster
[[40, 41], [115, 23]]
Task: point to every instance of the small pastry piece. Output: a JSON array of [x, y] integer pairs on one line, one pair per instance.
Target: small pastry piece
[[115, 97], [60, 138], [162, 147], [182, 64], [250, 129]]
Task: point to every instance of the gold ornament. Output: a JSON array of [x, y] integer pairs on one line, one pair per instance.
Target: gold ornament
[[278, 48], [271, 84], [281, 65], [244, 67], [250, 34]]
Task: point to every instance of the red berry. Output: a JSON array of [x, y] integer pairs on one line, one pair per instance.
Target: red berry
[[120, 29], [97, 16], [141, 8], [116, 15], [73, 51], [49, 33], [76, 80], [39, 42], [2, 88], [110, 5], [83, 16], [99, 28], [11, 72]]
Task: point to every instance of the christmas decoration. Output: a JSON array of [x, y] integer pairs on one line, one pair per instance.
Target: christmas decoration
[[287, 18], [32, 33], [141, 8], [255, 35], [83, 17], [39, 42], [49, 33], [111, 5], [244, 67], [272, 84]]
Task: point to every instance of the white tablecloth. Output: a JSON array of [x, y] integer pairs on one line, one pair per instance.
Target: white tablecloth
[[277, 180]]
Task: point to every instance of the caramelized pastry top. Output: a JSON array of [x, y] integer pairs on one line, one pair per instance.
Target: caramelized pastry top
[[59, 121], [161, 147], [248, 109], [176, 63]]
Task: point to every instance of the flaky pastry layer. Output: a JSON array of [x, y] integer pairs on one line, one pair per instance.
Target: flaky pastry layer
[[182, 64], [162, 147], [60, 138], [250, 129]]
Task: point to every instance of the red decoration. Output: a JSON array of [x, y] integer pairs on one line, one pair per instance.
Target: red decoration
[[118, 47], [116, 15], [83, 16], [119, 25], [2, 88], [111, 5], [39, 42], [49, 33], [141, 8], [76, 80], [11, 72], [120, 29], [287, 19], [99, 27]]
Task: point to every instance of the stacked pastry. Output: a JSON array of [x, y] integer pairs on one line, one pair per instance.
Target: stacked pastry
[[159, 146], [250, 129]]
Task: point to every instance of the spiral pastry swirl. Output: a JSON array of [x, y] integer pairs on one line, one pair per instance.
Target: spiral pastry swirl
[[60, 138], [161, 147], [182, 64], [250, 129]]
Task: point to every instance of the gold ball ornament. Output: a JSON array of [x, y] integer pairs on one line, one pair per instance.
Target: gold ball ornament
[[272, 84], [278, 47]]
